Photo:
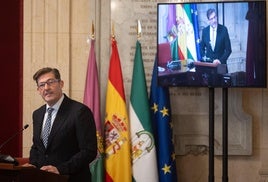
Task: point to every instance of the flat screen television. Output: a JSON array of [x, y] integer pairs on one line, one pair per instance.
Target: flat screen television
[[212, 44]]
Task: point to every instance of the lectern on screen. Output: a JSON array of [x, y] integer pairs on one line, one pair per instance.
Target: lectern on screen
[[187, 54]]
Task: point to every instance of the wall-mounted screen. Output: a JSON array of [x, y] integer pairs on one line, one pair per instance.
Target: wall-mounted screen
[[212, 44]]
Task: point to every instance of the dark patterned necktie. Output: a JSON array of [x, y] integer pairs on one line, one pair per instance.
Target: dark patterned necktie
[[47, 127]]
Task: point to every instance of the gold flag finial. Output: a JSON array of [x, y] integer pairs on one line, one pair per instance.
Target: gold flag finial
[[113, 35], [92, 31], [138, 29]]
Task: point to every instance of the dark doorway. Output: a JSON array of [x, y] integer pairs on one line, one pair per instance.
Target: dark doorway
[[11, 62]]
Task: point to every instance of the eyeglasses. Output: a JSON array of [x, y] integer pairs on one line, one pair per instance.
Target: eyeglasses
[[49, 82], [212, 18]]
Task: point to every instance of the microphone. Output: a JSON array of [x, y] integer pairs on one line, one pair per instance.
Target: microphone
[[8, 158], [13, 136]]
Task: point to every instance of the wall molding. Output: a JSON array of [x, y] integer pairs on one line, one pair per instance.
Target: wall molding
[[192, 135]]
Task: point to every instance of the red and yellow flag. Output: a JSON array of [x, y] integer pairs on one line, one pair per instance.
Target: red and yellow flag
[[116, 127]]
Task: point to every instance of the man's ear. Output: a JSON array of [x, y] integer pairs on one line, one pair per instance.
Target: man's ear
[[61, 83]]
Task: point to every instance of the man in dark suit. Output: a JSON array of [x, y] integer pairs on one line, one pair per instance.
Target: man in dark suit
[[215, 45], [72, 142]]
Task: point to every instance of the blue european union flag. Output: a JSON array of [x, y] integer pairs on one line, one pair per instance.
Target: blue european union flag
[[196, 30], [161, 120]]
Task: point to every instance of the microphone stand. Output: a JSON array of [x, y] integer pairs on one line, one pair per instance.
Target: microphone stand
[[8, 158]]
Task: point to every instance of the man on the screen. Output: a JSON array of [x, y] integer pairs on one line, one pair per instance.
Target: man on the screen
[[215, 45]]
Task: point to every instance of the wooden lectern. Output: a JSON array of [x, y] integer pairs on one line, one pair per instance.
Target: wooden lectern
[[11, 173]]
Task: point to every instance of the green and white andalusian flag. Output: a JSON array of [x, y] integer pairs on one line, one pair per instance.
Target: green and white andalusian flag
[[186, 37], [144, 165]]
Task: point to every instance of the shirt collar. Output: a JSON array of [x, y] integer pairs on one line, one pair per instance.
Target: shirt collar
[[57, 105], [211, 28]]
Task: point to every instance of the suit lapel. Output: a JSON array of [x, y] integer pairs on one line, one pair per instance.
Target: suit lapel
[[59, 120], [219, 30], [41, 118], [209, 47], [39, 125]]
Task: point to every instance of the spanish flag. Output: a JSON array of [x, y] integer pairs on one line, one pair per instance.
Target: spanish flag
[[116, 127]]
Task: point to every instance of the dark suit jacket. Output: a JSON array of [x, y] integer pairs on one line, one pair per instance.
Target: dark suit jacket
[[222, 48], [72, 143]]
